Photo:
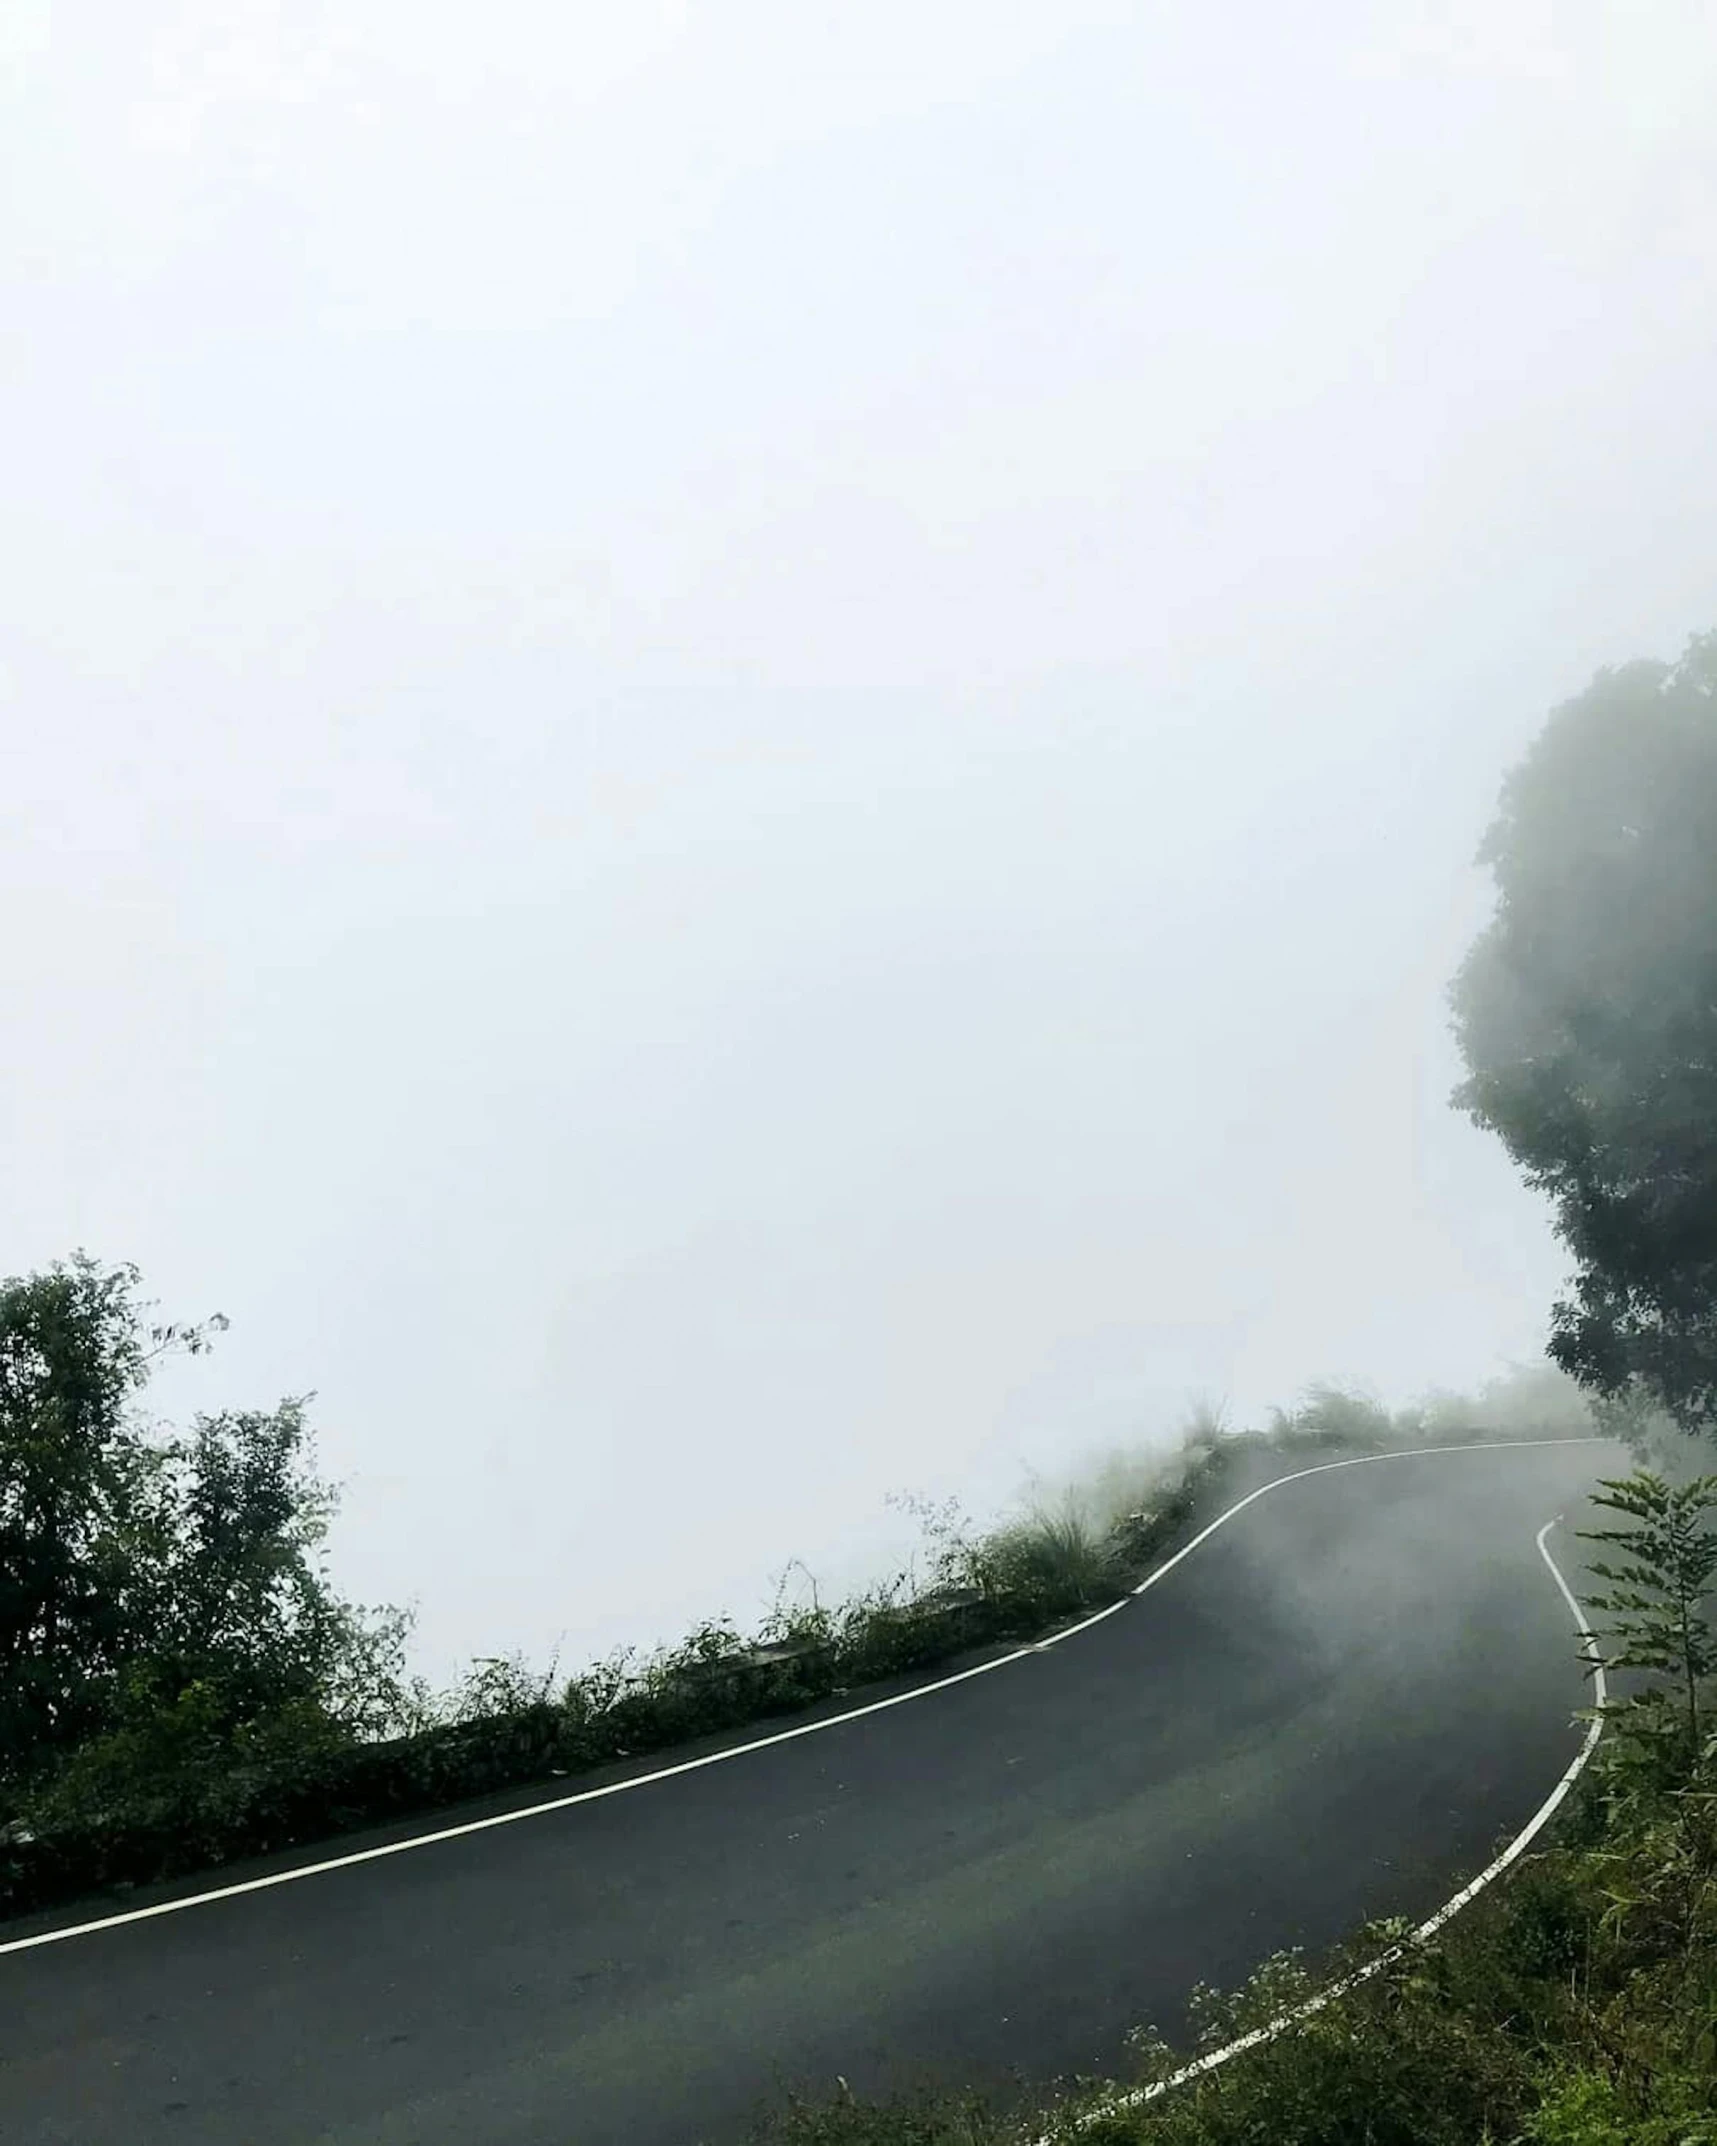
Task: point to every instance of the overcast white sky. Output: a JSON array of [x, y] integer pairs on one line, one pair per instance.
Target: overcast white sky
[[741, 743]]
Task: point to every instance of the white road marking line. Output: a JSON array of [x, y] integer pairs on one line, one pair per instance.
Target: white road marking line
[[760, 1743], [1529, 1832]]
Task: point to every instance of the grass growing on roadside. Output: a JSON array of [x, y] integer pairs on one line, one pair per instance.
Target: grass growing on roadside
[[183, 1802], [1057, 1555], [119, 1816]]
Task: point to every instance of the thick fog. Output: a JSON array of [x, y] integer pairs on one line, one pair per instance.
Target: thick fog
[[742, 744]]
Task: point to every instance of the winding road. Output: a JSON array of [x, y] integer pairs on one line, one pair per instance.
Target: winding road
[[1336, 1706]]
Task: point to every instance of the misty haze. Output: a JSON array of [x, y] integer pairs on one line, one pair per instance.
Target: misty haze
[[745, 762]]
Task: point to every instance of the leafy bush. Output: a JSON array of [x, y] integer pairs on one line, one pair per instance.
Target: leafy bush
[[1052, 1557], [160, 1595], [1334, 1416]]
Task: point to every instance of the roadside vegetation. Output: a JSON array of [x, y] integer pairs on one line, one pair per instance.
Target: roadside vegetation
[[181, 1685]]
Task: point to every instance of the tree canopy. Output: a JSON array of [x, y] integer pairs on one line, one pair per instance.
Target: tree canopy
[[143, 1575], [1587, 1017]]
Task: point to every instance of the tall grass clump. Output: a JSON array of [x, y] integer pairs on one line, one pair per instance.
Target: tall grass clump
[[1052, 1556], [1527, 1401]]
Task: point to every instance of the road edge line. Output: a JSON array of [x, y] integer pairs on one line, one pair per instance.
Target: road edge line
[[761, 1743], [1540, 1818]]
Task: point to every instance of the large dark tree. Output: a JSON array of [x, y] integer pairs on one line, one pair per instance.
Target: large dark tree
[[1587, 1016], [146, 1576], [77, 1554]]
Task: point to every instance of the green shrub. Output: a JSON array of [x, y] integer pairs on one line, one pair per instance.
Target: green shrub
[[1056, 1558], [1337, 1416], [1588, 2107]]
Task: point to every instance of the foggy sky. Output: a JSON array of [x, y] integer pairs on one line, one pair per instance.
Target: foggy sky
[[742, 744]]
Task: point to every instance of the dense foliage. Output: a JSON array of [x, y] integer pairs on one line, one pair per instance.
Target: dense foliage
[[1587, 1015], [162, 1597]]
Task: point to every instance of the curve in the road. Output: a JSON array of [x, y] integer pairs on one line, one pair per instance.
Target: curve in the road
[[1517, 1847], [1346, 1698], [758, 1743]]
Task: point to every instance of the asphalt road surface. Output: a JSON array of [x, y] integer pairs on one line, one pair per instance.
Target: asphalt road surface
[[1338, 1706]]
